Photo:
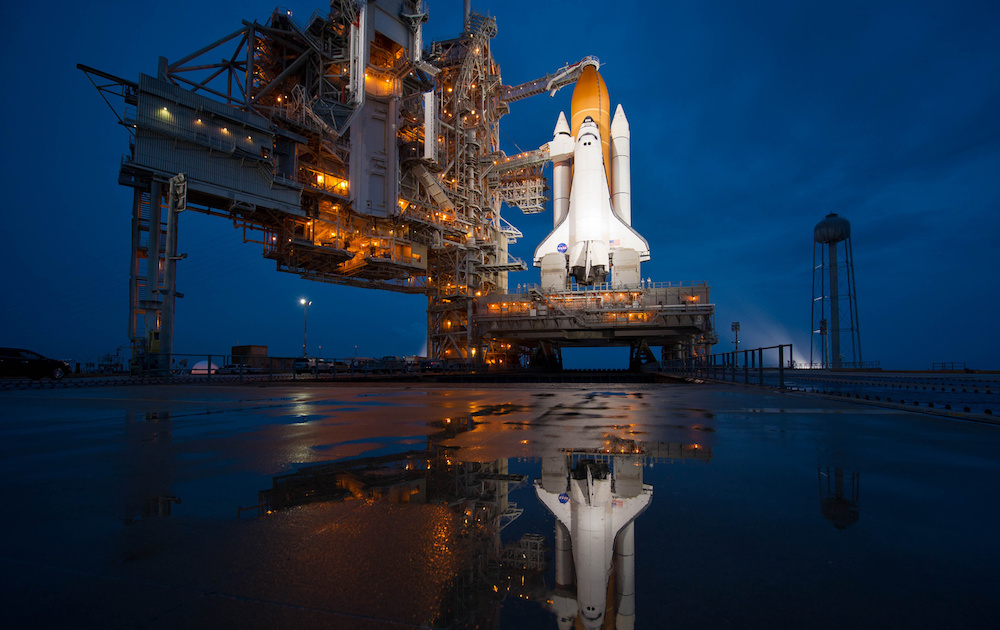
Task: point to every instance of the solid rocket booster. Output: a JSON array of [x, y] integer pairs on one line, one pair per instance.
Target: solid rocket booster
[[621, 188], [591, 195], [561, 170]]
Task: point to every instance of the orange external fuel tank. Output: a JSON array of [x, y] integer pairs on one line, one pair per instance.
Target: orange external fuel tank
[[590, 98]]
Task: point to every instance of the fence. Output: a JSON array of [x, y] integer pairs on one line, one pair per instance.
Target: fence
[[948, 367], [727, 366], [207, 367]]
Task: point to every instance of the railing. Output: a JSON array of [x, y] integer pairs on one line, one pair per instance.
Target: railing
[[609, 287], [944, 367], [239, 368], [727, 366], [844, 365]]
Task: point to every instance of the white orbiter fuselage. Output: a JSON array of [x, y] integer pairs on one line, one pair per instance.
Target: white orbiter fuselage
[[592, 223], [594, 516]]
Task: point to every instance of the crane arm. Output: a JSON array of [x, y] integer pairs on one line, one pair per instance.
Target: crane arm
[[549, 83]]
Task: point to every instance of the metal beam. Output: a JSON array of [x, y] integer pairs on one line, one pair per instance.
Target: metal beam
[[177, 64]]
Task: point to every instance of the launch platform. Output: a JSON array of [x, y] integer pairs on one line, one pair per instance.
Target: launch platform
[[676, 316]]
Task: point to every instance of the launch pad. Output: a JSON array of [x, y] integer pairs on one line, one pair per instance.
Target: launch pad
[[352, 153]]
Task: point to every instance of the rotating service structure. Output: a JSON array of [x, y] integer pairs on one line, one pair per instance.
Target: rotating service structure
[[345, 147]]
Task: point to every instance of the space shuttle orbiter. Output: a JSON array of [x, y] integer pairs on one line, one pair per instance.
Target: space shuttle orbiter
[[592, 236], [599, 523]]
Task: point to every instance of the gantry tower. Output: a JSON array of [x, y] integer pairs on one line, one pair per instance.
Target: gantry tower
[[349, 151]]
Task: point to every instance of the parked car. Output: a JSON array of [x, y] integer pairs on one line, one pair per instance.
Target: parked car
[[331, 366], [430, 365], [20, 362], [304, 364]]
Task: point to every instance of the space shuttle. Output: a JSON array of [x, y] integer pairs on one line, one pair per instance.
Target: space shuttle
[[592, 237], [594, 536]]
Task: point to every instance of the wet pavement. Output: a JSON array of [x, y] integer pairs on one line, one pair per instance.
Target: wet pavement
[[411, 506]]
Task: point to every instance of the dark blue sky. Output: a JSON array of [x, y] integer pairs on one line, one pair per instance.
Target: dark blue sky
[[750, 121]]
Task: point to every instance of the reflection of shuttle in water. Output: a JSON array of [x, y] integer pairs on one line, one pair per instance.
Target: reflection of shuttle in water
[[592, 195], [598, 520]]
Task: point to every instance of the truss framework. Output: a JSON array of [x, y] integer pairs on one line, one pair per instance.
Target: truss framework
[[345, 149]]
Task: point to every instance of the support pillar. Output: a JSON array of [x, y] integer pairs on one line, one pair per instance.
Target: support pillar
[[835, 361], [177, 194], [151, 305]]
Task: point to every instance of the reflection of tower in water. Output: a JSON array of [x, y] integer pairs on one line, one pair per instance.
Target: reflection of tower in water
[[595, 545], [838, 495], [477, 494], [147, 465], [595, 496]]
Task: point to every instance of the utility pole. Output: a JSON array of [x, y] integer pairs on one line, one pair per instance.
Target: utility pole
[[305, 322]]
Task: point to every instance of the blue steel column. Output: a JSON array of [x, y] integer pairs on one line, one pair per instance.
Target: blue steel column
[[153, 261], [834, 309]]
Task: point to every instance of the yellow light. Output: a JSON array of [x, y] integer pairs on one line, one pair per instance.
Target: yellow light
[[165, 109], [319, 179], [198, 121], [225, 130]]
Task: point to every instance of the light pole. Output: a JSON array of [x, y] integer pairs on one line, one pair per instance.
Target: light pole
[[305, 322], [736, 343]]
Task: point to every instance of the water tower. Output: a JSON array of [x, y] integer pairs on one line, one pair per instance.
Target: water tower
[[833, 289]]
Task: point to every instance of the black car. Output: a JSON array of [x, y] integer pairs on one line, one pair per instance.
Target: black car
[[19, 362]]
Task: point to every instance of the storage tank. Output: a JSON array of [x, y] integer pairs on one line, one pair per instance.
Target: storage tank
[[832, 249]]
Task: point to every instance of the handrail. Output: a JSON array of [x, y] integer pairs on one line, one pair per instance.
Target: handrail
[[726, 366]]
